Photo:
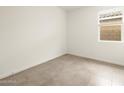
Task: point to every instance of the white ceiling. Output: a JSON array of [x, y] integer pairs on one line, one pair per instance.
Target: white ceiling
[[69, 8]]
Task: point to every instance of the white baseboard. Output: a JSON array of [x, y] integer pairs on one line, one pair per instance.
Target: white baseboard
[[27, 67], [98, 59]]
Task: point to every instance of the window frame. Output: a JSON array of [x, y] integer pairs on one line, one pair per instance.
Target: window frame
[[122, 28]]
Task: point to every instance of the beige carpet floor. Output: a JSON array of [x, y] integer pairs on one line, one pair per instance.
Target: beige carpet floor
[[69, 70]]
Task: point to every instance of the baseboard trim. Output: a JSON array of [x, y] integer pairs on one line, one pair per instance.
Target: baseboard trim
[[101, 61], [23, 69], [30, 66]]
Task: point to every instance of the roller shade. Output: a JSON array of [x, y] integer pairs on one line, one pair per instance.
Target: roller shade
[[110, 24]]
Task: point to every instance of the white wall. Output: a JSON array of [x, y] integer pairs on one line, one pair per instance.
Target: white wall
[[83, 37], [33, 35], [30, 36]]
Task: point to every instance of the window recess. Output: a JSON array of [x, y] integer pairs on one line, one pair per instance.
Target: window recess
[[110, 25]]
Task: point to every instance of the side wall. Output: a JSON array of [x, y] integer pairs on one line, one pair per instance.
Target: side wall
[[83, 37], [30, 36]]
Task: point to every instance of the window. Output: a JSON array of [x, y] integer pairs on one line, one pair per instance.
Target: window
[[110, 25]]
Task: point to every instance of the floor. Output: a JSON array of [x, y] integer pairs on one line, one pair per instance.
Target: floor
[[69, 70]]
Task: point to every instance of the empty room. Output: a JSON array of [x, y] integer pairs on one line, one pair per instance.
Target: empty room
[[61, 46]]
